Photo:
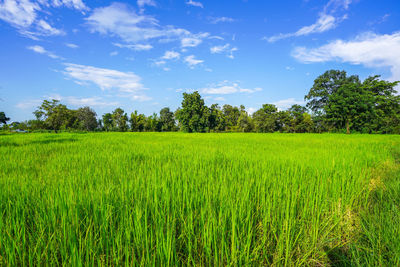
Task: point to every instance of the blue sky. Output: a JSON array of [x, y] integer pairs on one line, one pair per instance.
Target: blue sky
[[141, 55]]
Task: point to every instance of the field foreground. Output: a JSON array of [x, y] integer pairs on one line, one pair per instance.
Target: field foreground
[[199, 199]]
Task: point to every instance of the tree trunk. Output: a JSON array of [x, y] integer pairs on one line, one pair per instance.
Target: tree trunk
[[347, 127]]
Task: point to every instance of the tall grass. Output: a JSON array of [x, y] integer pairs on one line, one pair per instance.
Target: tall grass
[[170, 199]]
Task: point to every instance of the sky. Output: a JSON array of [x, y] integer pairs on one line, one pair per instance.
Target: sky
[[142, 55]]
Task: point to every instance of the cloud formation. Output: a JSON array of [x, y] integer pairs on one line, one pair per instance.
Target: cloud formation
[[368, 49], [26, 15], [41, 50], [122, 21], [195, 3], [326, 21], [226, 87]]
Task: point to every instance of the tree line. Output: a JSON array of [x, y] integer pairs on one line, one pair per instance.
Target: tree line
[[336, 103]]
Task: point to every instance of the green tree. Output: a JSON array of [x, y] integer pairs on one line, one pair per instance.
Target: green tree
[[245, 122], [216, 119], [231, 115], [87, 118], [54, 114], [119, 120], [167, 121], [265, 119], [108, 122], [193, 115], [386, 117], [3, 118]]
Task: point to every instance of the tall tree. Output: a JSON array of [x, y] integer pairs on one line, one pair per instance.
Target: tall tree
[[87, 118], [324, 86], [231, 115], [193, 115], [216, 119], [119, 119], [3, 118], [107, 122], [54, 113], [265, 119], [245, 122], [167, 120]]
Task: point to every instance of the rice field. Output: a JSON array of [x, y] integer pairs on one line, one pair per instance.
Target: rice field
[[173, 199]]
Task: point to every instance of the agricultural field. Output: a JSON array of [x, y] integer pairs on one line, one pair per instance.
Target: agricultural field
[[171, 199]]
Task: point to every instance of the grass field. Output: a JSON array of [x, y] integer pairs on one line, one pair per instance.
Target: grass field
[[199, 199]]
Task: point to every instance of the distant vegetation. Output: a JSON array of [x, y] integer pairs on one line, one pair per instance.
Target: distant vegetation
[[335, 103]]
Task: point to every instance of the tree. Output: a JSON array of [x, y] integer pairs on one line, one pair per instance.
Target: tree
[[324, 86], [297, 115], [193, 115], [347, 105], [216, 119], [107, 122], [54, 113], [119, 120], [245, 122], [231, 115], [3, 118], [87, 118], [265, 119], [386, 117], [167, 121]]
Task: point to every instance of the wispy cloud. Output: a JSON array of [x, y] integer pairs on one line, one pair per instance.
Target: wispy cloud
[[287, 103], [192, 61], [135, 47], [24, 15], [369, 49], [326, 21], [223, 49], [41, 50], [70, 45], [215, 20], [227, 87], [170, 55], [122, 21], [127, 83], [194, 3]]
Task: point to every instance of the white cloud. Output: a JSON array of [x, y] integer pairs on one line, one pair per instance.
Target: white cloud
[[326, 21], [114, 53], [41, 50], [171, 55], [370, 50], [74, 46], [120, 20], [27, 104], [20, 14], [46, 29], [142, 3], [226, 87], [194, 3], [83, 101], [223, 49], [76, 4], [194, 40], [287, 103], [220, 19], [135, 47], [192, 61], [24, 15], [219, 49], [104, 78], [251, 110]]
